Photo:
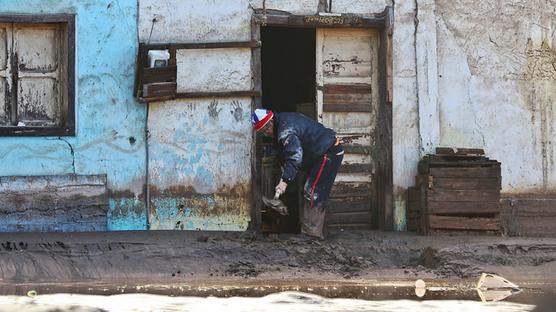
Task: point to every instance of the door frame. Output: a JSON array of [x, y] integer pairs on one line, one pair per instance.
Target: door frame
[[383, 23]]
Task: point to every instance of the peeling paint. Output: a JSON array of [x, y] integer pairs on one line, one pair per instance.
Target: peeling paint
[[107, 115]]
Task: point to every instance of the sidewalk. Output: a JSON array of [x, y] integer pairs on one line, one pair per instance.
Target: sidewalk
[[193, 260]]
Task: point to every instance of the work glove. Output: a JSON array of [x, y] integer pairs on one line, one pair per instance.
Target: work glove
[[280, 188]]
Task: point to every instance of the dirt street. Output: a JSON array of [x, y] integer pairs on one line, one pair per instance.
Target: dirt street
[[210, 259]]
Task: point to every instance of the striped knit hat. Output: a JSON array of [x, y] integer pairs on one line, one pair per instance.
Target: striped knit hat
[[260, 117]]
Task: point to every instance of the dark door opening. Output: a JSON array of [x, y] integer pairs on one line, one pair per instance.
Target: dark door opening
[[288, 61]]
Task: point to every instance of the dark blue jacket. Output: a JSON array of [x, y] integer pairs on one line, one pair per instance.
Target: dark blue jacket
[[302, 141]]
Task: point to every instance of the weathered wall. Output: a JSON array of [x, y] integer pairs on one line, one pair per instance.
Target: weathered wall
[[200, 150], [497, 85], [109, 122], [200, 164]]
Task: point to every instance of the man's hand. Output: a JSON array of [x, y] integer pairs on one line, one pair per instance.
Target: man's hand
[[280, 188]]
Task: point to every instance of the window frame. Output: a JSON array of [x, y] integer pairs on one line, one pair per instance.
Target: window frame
[[68, 127]]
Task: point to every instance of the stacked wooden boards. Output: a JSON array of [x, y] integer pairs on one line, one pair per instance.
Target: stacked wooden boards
[[456, 190]]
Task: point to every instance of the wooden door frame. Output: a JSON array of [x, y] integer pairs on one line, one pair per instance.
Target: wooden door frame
[[383, 23]]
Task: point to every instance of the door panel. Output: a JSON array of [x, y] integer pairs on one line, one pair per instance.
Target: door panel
[[347, 97], [37, 48], [5, 30], [37, 102]]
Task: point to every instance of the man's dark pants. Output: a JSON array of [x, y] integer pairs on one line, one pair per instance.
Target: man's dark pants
[[317, 190]]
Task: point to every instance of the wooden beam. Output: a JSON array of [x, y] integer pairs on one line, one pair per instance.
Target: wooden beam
[[347, 108], [204, 45], [463, 223], [256, 157], [355, 168], [218, 94], [463, 207], [321, 21]]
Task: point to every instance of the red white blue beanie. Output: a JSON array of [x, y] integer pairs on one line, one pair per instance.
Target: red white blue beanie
[[260, 117]]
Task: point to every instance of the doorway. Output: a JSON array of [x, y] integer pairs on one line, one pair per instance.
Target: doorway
[[288, 61]]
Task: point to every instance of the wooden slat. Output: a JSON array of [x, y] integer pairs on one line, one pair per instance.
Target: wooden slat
[[351, 189], [480, 172], [331, 98], [356, 149], [350, 226], [413, 194], [360, 108], [159, 74], [205, 45], [347, 89], [425, 166], [459, 151], [358, 204], [218, 94], [463, 207], [159, 89], [466, 184], [312, 21], [355, 168], [413, 207], [348, 217], [463, 223], [463, 195]]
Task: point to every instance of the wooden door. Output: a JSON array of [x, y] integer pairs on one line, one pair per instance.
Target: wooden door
[[347, 101]]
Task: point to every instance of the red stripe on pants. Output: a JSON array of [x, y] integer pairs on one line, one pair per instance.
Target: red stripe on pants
[[324, 158]]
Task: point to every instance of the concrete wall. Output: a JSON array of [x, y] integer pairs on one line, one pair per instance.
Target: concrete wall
[[109, 121]]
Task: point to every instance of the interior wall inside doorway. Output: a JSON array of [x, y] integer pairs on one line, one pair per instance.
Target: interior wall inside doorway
[[288, 69]]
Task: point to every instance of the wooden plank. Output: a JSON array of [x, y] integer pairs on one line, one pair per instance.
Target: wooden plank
[[357, 204], [413, 194], [351, 189], [463, 195], [187, 95], [256, 145], [36, 18], [466, 183], [459, 151], [159, 89], [330, 98], [364, 108], [348, 217], [350, 226], [347, 89], [463, 207], [355, 168], [463, 223], [205, 45], [384, 140], [480, 172], [413, 207], [529, 215], [425, 166], [159, 74], [312, 21], [356, 149]]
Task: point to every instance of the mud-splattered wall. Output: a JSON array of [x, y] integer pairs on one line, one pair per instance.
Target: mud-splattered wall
[[109, 121], [200, 150], [485, 78], [497, 85]]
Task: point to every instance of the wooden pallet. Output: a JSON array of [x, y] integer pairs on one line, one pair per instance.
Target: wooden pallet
[[455, 194]]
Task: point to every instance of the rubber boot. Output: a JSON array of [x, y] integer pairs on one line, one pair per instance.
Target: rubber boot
[[313, 220]]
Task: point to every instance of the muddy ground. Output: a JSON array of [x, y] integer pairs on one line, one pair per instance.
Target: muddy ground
[[210, 258]]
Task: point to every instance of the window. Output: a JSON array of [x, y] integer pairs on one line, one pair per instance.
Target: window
[[36, 74]]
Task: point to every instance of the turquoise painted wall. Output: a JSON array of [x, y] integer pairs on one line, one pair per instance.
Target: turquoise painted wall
[[110, 123]]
